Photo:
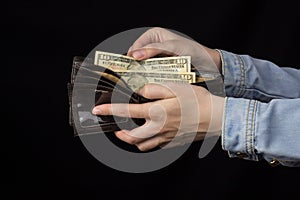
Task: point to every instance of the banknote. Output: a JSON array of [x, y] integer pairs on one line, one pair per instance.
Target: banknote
[[137, 79], [168, 64], [121, 62]]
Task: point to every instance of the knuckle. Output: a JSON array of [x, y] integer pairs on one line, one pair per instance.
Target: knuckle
[[156, 113], [159, 141], [141, 147], [132, 140], [106, 109], [143, 110], [156, 29], [203, 90], [119, 110]]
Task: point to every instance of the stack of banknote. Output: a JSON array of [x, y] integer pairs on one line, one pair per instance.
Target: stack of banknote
[[116, 78], [154, 70]]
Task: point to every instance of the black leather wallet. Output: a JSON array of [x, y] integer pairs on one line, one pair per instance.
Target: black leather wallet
[[93, 85]]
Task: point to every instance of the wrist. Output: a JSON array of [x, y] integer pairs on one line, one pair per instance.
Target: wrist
[[216, 55], [217, 109], [216, 58]]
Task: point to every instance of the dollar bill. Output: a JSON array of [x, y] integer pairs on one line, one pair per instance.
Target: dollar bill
[[137, 79], [168, 64], [121, 62]]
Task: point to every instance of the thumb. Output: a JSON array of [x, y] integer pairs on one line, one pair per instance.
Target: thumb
[[156, 91], [168, 48]]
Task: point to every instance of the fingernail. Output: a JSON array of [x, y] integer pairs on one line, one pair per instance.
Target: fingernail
[[96, 111], [118, 132], [138, 54]]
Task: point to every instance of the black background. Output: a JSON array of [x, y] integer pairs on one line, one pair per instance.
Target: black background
[[39, 40]]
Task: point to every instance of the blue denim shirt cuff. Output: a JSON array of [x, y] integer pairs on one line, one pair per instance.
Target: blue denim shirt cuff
[[234, 73], [238, 130]]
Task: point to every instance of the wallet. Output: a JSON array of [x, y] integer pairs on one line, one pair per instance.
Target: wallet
[[92, 85]]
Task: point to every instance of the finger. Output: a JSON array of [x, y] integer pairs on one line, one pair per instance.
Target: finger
[[151, 143], [137, 135], [122, 135], [154, 35], [150, 50], [129, 50], [150, 36], [123, 110], [165, 140], [156, 91]]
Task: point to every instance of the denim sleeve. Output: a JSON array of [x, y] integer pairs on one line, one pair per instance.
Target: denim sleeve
[[255, 130], [262, 110], [251, 78]]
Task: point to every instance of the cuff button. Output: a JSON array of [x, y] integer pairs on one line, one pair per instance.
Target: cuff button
[[241, 155], [274, 162]]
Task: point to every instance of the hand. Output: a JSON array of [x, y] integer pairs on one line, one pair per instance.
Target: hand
[[158, 41], [182, 111]]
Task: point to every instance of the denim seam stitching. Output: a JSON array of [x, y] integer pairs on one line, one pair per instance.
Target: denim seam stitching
[[246, 134], [244, 74], [237, 92], [253, 130], [224, 124], [241, 79]]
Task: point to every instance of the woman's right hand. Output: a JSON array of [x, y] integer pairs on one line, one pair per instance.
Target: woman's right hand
[[156, 41]]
